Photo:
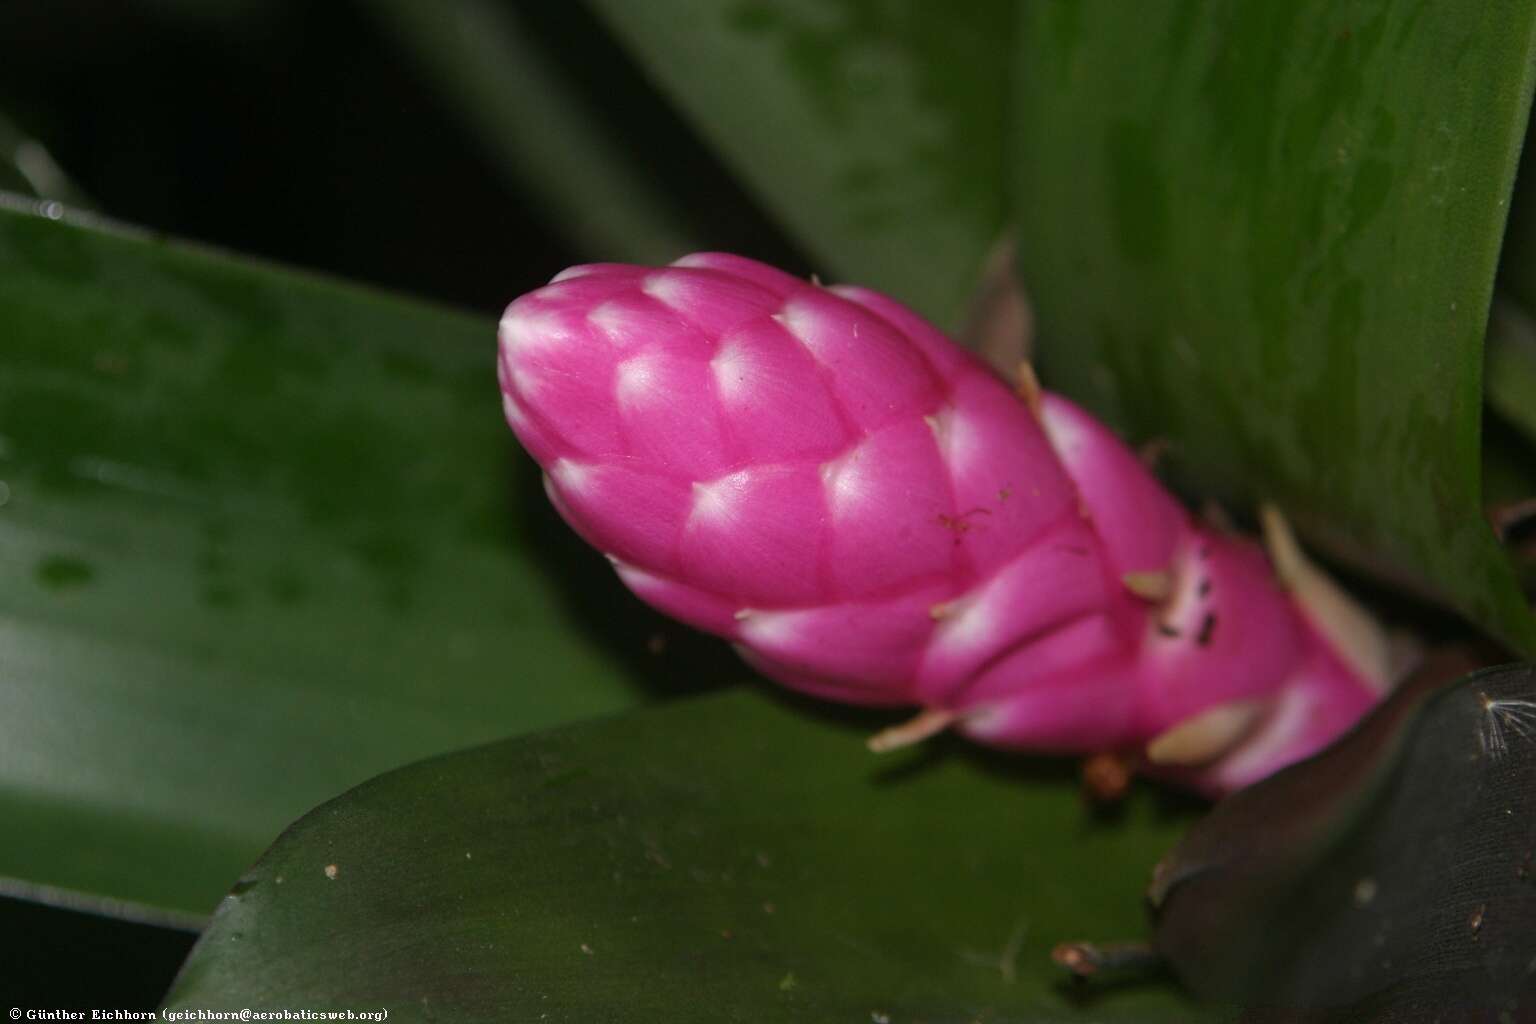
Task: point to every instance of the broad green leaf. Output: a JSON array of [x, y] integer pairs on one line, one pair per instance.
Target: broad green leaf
[[1268, 234], [262, 536], [517, 99], [727, 858], [873, 129], [1392, 874]]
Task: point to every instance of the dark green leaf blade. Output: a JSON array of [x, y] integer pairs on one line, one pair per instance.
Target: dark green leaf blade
[[726, 858], [262, 536], [873, 130], [1390, 878], [1268, 234]]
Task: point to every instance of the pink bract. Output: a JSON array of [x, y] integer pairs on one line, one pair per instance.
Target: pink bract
[[873, 516]]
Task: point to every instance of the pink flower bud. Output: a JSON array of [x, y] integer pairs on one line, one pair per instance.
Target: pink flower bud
[[872, 516]]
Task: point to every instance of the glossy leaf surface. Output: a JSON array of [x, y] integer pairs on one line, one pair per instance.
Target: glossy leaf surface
[[872, 129], [1390, 878], [261, 537], [727, 858], [1268, 234]]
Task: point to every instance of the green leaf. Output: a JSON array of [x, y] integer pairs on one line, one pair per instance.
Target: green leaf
[[1268, 234], [262, 536], [873, 129], [727, 858], [1392, 874], [516, 98]]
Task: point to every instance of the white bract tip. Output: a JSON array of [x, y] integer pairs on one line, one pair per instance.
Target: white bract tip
[[958, 441], [732, 370], [803, 325], [938, 422], [965, 624], [636, 381], [559, 291], [671, 290], [1261, 749], [528, 329], [1066, 436], [845, 481], [1351, 630], [769, 630], [570, 475], [611, 319], [514, 412], [1206, 736], [716, 499], [524, 384]]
